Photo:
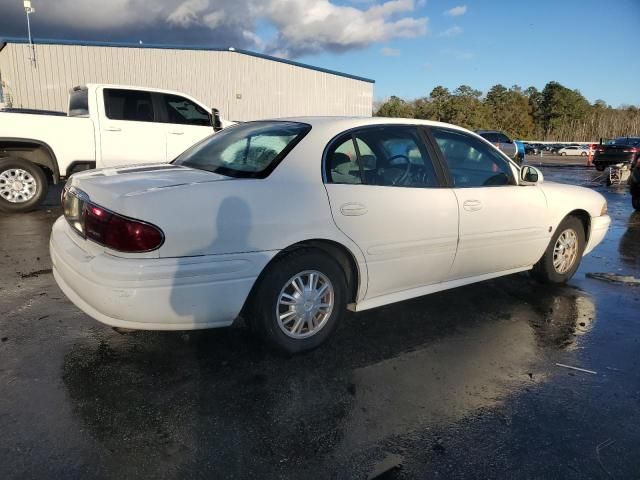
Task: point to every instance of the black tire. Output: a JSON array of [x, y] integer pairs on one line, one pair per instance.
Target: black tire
[[262, 316], [544, 271], [600, 167], [583, 154], [635, 202], [41, 184], [563, 154]]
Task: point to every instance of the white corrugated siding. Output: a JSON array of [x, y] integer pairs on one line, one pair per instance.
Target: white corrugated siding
[[267, 88]]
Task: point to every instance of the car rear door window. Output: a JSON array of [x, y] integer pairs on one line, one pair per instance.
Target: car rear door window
[[182, 111], [471, 162], [129, 105]]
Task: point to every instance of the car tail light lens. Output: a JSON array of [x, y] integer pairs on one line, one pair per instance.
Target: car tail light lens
[[108, 228]]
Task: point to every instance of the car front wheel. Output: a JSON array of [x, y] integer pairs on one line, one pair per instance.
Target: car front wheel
[[23, 185], [562, 257], [299, 301]]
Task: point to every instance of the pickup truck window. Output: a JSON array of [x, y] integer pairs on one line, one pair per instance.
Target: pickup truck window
[[130, 105], [185, 112], [79, 103]]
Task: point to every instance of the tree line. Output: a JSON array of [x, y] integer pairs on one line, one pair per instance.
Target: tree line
[[556, 113]]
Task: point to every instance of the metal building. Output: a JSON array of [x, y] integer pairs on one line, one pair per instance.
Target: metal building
[[243, 85]]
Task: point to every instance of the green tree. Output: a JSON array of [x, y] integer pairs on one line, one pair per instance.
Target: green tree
[[395, 107]]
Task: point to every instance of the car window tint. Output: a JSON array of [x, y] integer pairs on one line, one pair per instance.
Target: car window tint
[[394, 156], [131, 105], [471, 162], [185, 112], [246, 150], [342, 162]]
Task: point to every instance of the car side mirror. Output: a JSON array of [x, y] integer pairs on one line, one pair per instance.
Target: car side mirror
[[216, 123], [530, 175]]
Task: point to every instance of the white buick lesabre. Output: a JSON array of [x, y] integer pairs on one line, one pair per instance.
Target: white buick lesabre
[[288, 222]]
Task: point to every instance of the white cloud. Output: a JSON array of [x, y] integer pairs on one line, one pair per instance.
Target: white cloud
[[297, 27], [451, 32], [456, 11], [310, 26], [188, 13], [459, 54], [390, 52]]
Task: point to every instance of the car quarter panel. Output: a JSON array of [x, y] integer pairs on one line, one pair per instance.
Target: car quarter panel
[[153, 294]]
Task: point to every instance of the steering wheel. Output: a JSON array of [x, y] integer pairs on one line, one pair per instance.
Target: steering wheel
[[404, 175]]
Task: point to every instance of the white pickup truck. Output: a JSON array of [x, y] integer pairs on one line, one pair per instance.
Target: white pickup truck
[[105, 126]]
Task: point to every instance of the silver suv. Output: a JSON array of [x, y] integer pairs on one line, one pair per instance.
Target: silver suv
[[501, 141]]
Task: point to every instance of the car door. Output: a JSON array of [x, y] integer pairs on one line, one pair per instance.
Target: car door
[[386, 194], [503, 225], [186, 123], [130, 131]]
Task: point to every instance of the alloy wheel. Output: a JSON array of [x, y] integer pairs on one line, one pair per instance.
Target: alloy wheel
[[565, 251], [305, 304], [17, 185]]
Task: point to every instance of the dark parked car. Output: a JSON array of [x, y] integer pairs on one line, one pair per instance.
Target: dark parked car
[[620, 150], [634, 186]]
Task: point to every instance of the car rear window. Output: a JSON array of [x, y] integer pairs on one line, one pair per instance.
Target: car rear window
[[246, 150]]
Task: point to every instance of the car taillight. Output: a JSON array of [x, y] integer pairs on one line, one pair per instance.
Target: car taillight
[[118, 232], [109, 228]]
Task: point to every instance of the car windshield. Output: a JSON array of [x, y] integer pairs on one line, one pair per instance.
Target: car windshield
[[246, 150]]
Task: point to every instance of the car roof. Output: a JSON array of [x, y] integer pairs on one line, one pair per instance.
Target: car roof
[[352, 122]]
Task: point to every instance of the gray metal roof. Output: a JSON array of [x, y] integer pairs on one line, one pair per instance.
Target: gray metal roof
[[90, 43]]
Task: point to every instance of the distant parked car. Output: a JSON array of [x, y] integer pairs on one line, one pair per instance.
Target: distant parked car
[[573, 150], [620, 150], [291, 221], [501, 141]]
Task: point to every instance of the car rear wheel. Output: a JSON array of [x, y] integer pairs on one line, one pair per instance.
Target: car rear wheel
[[299, 301], [23, 185], [583, 154], [562, 257], [600, 167]]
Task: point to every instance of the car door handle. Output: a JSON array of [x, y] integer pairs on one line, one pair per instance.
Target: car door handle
[[472, 205], [112, 129], [353, 209], [176, 133]]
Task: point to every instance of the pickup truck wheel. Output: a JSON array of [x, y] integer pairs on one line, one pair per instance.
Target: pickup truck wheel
[[23, 185], [562, 257]]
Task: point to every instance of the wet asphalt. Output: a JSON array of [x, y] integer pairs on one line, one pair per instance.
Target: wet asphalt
[[459, 384]]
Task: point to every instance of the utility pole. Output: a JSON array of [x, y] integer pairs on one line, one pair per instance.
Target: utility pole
[[29, 10]]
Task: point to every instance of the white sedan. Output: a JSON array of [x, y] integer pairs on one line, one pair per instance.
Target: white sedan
[[289, 222], [573, 150]]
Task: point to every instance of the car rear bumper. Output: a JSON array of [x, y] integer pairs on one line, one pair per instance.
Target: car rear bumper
[[599, 228], [156, 293]]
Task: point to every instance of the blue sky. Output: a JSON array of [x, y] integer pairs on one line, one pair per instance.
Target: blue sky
[[407, 46], [589, 45]]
